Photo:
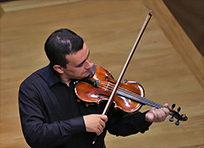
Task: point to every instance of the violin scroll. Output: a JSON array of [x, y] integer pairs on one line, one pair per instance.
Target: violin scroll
[[175, 114]]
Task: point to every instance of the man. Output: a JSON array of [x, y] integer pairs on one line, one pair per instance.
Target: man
[[52, 115]]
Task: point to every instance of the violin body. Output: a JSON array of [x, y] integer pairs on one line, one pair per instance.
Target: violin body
[[102, 89]]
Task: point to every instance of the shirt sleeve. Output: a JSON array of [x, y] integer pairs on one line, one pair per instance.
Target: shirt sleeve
[[121, 124], [37, 132]]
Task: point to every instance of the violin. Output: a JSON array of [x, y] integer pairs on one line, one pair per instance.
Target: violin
[[127, 96], [130, 96]]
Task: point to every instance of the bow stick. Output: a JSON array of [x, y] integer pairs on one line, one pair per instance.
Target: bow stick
[[110, 100]]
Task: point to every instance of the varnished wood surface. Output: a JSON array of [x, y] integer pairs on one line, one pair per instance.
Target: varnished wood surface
[[162, 61]]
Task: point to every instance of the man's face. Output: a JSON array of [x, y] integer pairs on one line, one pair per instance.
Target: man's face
[[79, 64]]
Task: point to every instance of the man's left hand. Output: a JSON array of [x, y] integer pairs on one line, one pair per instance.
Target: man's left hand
[[157, 115]]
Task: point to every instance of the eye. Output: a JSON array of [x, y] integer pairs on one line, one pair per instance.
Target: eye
[[80, 65]]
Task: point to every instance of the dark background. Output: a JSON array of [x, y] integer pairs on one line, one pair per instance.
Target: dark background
[[190, 15]]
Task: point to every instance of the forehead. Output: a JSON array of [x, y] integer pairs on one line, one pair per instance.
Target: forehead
[[78, 57]]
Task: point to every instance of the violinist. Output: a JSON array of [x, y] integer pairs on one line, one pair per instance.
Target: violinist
[[51, 113]]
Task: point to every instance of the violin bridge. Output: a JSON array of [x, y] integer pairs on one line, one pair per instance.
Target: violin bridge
[[106, 89]]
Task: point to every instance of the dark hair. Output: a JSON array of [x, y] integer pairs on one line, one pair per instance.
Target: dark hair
[[60, 43]]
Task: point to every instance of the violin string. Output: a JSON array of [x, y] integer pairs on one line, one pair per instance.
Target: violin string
[[110, 86]]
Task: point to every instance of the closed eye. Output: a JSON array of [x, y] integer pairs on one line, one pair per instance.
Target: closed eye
[[81, 64]]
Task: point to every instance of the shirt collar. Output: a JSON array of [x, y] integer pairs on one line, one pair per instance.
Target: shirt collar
[[52, 76]]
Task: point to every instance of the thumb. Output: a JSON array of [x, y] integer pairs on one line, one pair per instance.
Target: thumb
[[104, 118], [149, 116]]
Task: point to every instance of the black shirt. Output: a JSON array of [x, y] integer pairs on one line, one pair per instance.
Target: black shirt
[[52, 116]]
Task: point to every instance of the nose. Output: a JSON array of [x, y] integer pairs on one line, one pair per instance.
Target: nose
[[88, 64]]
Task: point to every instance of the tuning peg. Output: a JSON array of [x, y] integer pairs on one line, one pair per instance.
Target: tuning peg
[[173, 105], [171, 119], [177, 123], [179, 109]]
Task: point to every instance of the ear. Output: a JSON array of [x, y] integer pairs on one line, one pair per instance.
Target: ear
[[58, 69]]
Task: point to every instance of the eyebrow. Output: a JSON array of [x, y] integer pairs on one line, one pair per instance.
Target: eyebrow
[[83, 60]]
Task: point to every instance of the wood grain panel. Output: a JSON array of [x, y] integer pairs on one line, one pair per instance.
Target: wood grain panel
[[110, 29]]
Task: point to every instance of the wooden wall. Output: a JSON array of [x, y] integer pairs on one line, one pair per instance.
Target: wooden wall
[[166, 62]]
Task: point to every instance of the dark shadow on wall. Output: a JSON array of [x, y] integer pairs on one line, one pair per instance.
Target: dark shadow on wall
[[190, 15], [6, 1]]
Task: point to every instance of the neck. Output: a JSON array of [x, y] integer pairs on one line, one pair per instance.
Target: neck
[[65, 80]]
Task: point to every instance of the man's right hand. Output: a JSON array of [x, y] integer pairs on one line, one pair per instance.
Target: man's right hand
[[95, 123]]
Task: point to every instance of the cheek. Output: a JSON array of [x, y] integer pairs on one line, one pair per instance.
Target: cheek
[[75, 73], [78, 71]]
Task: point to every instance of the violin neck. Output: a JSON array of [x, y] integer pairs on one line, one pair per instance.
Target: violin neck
[[138, 98]]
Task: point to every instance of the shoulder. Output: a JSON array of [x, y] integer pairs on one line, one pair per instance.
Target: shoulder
[[36, 77], [34, 86]]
